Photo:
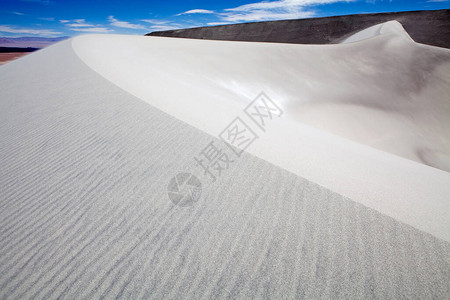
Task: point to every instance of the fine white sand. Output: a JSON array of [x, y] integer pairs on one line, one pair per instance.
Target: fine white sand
[[384, 92], [93, 129]]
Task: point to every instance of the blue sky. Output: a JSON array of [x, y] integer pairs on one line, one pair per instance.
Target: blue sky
[[51, 18]]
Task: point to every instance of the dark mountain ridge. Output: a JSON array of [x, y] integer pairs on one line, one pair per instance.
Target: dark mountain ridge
[[430, 27]]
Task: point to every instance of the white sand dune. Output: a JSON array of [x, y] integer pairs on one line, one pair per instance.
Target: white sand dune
[[345, 196], [386, 92], [391, 27]]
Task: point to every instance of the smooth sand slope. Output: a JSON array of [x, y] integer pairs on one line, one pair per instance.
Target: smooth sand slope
[[93, 129]]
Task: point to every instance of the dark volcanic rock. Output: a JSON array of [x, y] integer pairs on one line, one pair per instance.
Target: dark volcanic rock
[[427, 27]]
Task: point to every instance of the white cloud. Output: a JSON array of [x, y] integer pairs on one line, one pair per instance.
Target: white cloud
[[122, 24], [196, 11], [282, 4], [47, 19], [217, 23], [93, 29], [274, 10], [263, 15], [156, 22], [78, 23], [38, 1], [164, 27], [82, 26], [267, 10], [40, 32], [258, 11]]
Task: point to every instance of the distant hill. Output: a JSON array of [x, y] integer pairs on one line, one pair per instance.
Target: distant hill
[[29, 42], [16, 49], [427, 27]]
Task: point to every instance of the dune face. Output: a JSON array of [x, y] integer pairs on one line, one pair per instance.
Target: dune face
[[344, 195], [388, 28], [386, 92], [426, 27]]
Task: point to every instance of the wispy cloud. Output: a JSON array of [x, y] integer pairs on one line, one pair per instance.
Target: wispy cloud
[[82, 26], [17, 13], [155, 21], [265, 15], [161, 25], [267, 10], [274, 10], [40, 32], [47, 19], [45, 2], [77, 23], [93, 29], [122, 24], [282, 4], [164, 27], [217, 23], [196, 11]]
